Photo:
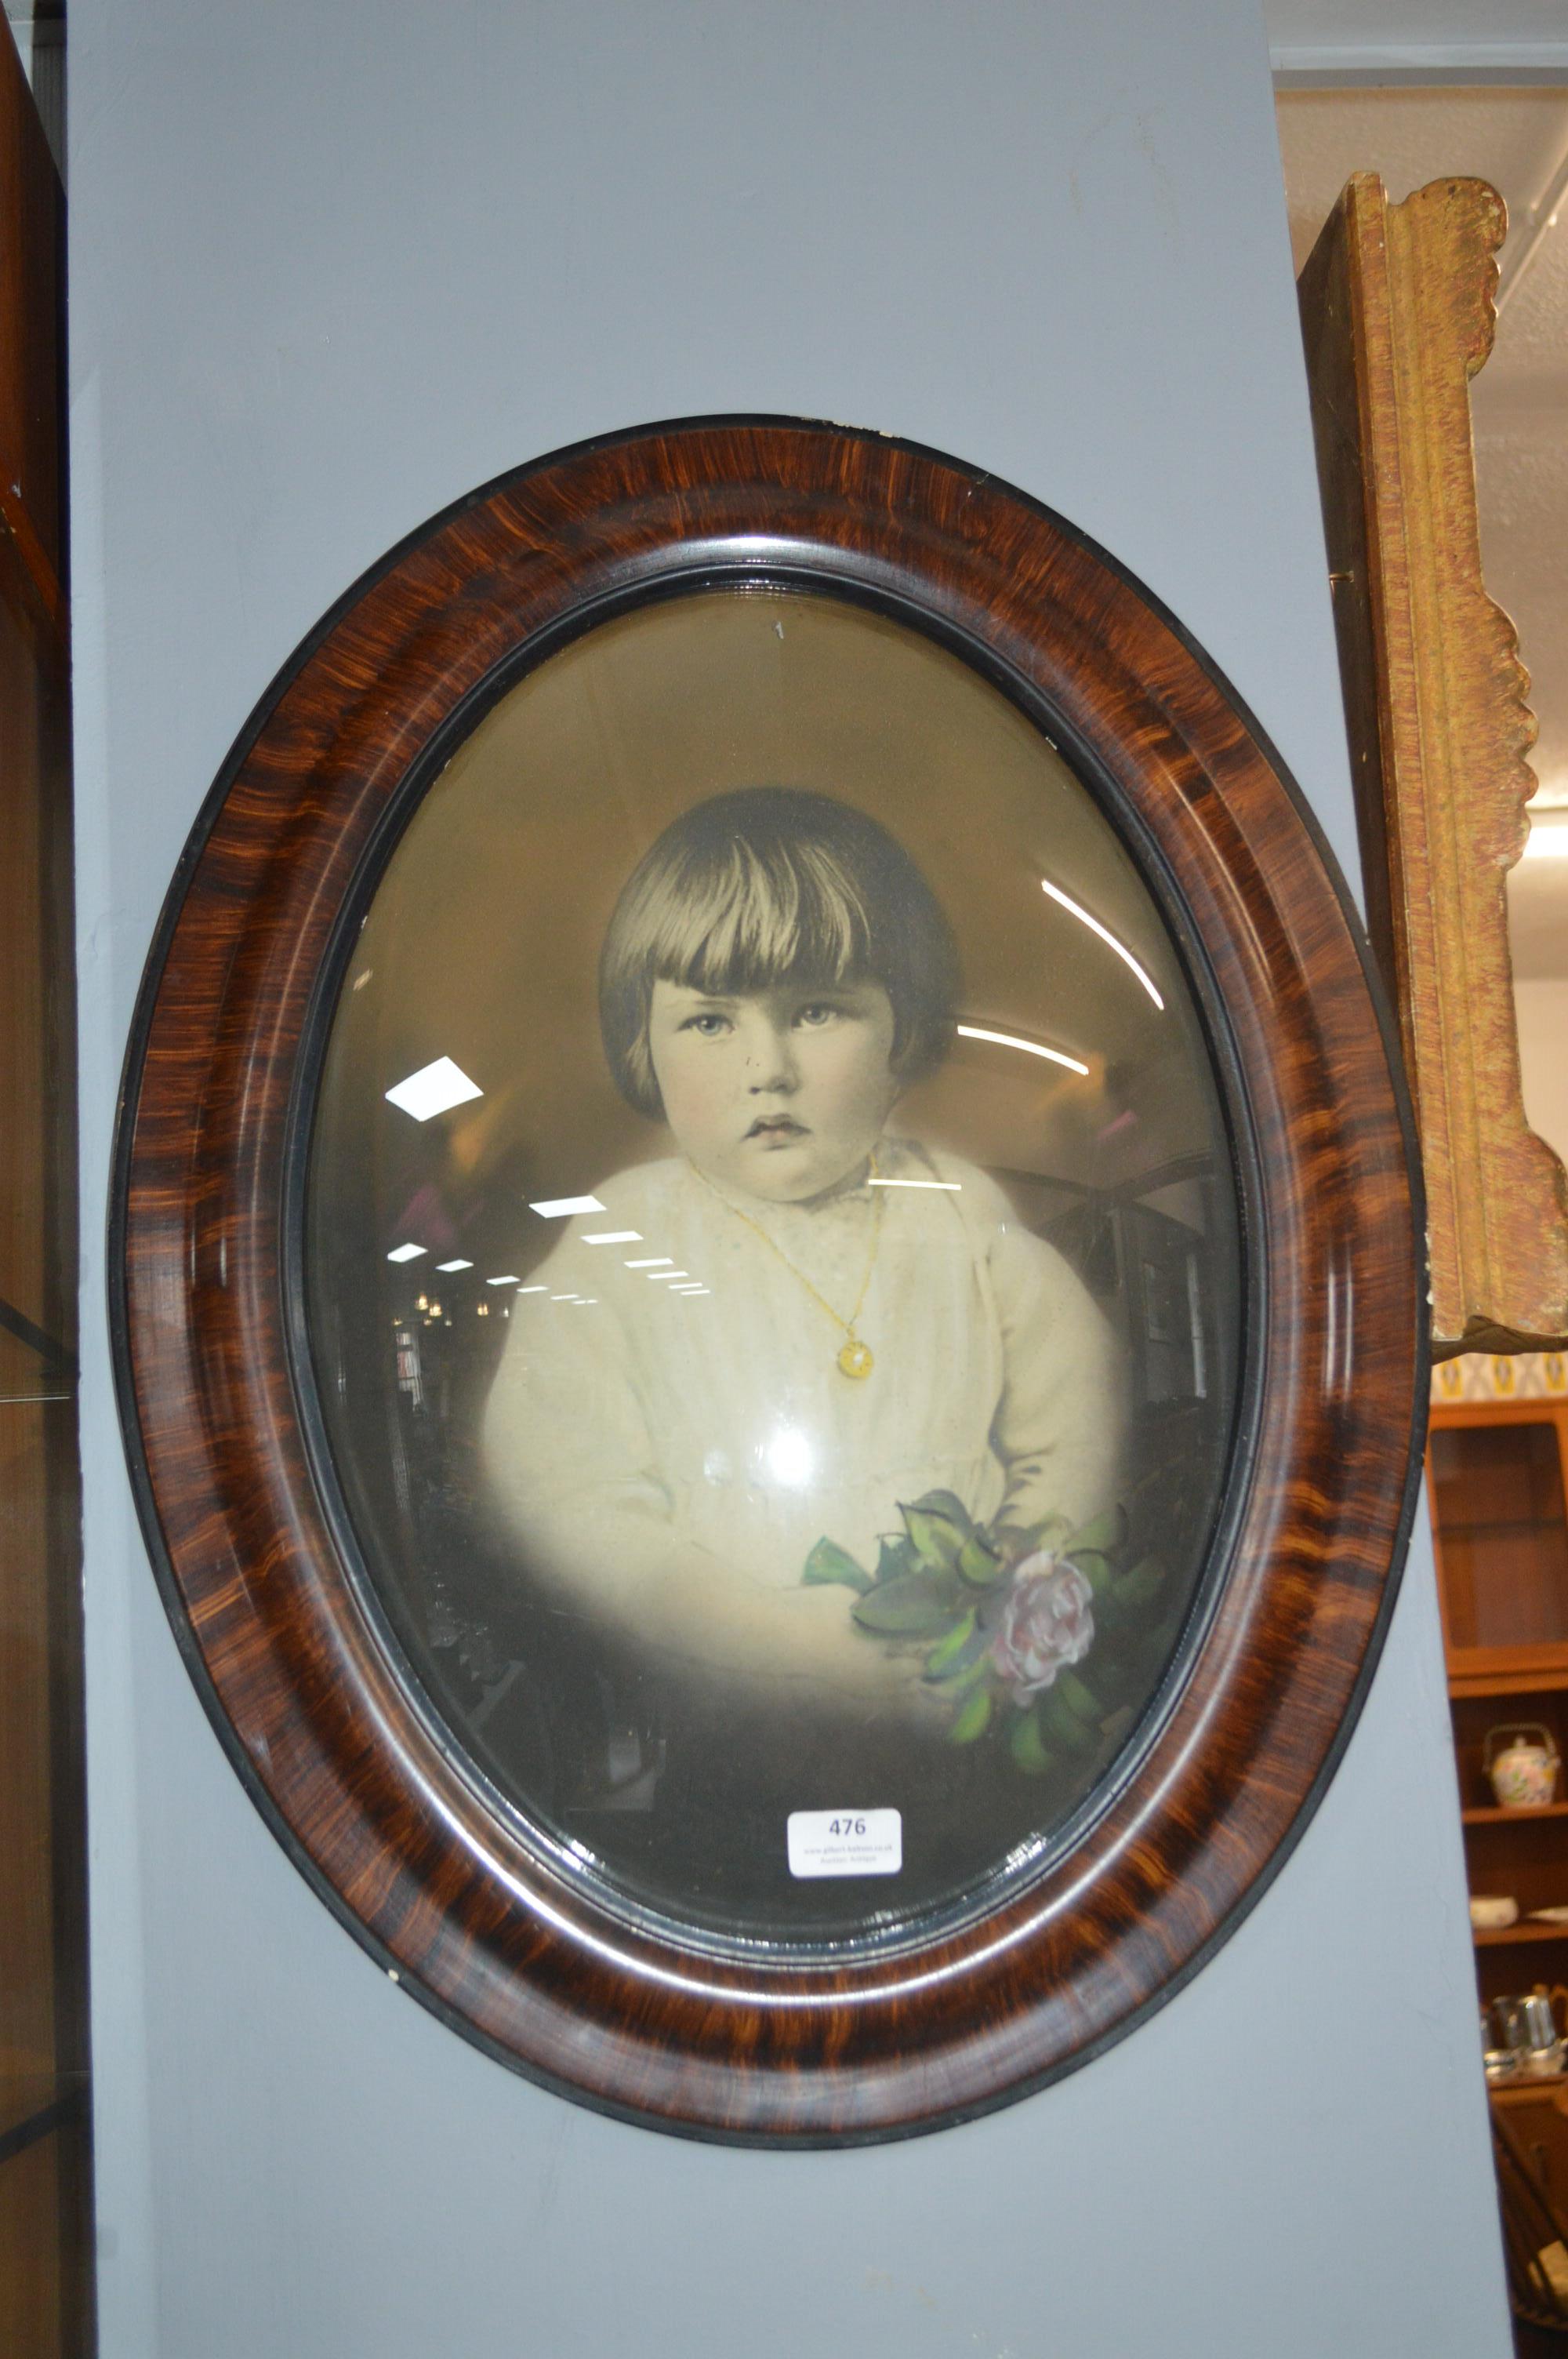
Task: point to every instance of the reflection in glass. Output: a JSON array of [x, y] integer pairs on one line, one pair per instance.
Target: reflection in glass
[[882, 1476]]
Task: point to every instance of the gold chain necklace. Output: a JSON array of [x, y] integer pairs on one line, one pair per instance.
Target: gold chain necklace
[[854, 1359]]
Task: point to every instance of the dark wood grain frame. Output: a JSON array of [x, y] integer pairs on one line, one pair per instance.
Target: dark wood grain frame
[[346, 1758]]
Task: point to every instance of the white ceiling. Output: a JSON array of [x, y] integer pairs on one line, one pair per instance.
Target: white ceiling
[[1517, 139], [1340, 36]]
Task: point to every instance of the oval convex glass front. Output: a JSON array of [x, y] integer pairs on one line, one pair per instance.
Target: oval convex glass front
[[771, 1268]]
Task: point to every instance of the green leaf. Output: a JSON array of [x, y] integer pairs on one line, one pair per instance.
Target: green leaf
[[1141, 1586], [1017, 1541], [1079, 1698], [953, 1645], [1027, 1748], [1105, 1533], [1059, 1724], [972, 1664], [936, 1540], [973, 1721], [948, 1505], [829, 1563], [912, 1606], [894, 1556], [1094, 1568], [979, 1564]]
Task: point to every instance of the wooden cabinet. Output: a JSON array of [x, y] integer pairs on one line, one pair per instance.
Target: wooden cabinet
[[46, 2293], [1497, 1480], [1496, 1471]]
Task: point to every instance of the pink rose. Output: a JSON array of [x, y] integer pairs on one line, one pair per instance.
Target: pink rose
[[1045, 1624]]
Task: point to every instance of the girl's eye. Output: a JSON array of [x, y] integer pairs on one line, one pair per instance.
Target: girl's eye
[[707, 1025], [817, 1013]]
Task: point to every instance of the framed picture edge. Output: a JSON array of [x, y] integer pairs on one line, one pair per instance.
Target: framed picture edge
[[919, 2112], [1397, 314]]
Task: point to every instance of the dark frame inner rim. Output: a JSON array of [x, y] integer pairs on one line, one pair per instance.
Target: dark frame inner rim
[[655, 579]]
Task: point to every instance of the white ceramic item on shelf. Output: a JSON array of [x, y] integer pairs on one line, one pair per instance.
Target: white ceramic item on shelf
[[1490, 1912], [1523, 1773]]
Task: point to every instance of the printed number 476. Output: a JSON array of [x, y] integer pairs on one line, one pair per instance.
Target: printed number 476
[[846, 1826]]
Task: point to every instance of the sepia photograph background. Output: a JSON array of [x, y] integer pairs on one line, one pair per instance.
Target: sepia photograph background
[[481, 945]]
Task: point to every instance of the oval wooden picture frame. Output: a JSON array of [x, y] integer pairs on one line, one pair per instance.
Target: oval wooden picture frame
[[316, 1714]]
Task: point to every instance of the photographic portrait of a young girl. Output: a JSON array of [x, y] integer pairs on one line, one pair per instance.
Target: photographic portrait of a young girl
[[810, 1317]]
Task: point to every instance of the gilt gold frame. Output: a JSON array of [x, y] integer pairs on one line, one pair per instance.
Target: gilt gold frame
[[1397, 311]]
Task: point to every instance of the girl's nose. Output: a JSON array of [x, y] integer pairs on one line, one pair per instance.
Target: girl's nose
[[770, 1059]]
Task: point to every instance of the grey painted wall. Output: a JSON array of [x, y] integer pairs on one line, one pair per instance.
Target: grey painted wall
[[332, 266]]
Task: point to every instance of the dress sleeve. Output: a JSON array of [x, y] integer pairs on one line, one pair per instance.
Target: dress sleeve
[[566, 1447], [1061, 1420], [571, 1466]]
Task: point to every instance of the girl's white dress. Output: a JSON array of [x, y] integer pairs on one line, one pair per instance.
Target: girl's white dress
[[635, 1423]]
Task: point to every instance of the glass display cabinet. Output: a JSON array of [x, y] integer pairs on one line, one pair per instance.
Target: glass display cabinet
[[1497, 1480]]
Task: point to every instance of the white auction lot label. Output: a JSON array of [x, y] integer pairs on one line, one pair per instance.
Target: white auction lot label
[[845, 1843]]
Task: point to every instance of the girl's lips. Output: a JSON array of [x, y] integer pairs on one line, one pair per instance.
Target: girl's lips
[[776, 1125]]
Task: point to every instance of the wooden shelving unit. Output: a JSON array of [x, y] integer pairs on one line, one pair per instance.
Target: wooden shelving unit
[[1494, 1816], [1497, 1479], [1507, 1937]]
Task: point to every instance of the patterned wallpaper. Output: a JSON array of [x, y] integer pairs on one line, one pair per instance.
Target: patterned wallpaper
[[1478, 1377]]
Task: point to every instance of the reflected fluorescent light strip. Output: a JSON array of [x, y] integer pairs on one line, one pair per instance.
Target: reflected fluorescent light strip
[[565, 1298], [615, 1237], [444, 1266], [659, 1276], [1030, 1048], [433, 1089], [1106, 936], [510, 1280], [406, 1253], [561, 1207], [950, 1187], [691, 1290], [1547, 839], [654, 1261], [586, 1301], [540, 1289]]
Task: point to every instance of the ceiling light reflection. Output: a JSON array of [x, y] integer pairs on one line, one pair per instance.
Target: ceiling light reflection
[[433, 1089], [1030, 1048], [446, 1267], [406, 1253], [615, 1237], [509, 1279], [1105, 934], [653, 1261], [952, 1187], [561, 1207], [788, 1458]]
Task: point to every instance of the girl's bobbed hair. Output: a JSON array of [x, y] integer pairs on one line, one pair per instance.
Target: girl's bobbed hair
[[768, 884]]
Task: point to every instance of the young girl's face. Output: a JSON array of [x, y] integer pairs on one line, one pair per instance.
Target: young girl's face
[[778, 1093]]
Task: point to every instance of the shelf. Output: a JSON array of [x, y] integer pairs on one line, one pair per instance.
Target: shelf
[[1462, 1684], [1467, 1527], [1495, 1816], [1503, 1935], [1528, 2089]]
